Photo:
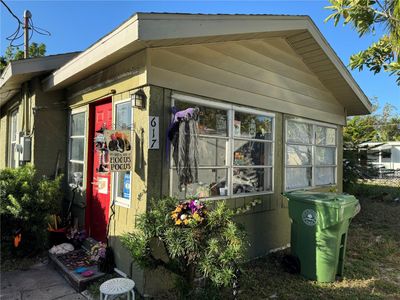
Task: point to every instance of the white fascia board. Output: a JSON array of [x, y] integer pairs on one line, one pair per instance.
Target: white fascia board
[[344, 72], [161, 27], [41, 64], [6, 75], [123, 36], [33, 66]]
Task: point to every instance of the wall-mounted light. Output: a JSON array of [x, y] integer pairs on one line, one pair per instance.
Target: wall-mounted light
[[139, 99]]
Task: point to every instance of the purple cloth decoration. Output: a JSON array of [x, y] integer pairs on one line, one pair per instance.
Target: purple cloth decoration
[[184, 114], [177, 116], [182, 133]]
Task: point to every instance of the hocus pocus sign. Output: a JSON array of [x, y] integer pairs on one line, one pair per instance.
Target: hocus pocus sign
[[119, 150]]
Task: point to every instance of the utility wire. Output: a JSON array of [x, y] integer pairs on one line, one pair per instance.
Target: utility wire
[[11, 12], [38, 29], [15, 34], [18, 33]]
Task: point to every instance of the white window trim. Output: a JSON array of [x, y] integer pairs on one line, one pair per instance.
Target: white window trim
[[313, 145], [229, 166], [14, 112], [115, 198], [81, 162]]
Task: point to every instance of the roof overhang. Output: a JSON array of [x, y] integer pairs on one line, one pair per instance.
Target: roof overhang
[[145, 30], [20, 71], [379, 145]]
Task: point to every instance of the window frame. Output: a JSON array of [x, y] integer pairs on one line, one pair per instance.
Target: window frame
[[230, 138], [13, 113], [114, 186], [313, 146], [73, 112]]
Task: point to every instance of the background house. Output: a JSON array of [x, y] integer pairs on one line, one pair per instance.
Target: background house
[[383, 154], [273, 97]]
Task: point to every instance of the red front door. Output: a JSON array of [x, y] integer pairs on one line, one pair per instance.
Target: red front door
[[98, 193]]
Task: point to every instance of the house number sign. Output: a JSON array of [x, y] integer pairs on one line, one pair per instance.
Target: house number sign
[[154, 133]]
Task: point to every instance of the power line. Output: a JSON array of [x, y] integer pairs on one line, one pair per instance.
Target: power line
[[11, 12], [38, 29], [18, 33]]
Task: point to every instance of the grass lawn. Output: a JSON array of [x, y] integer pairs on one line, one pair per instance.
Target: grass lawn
[[372, 266]]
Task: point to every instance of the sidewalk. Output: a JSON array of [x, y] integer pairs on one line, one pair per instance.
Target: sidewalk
[[40, 282]]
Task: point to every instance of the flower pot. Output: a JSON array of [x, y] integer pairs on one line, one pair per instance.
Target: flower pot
[[57, 236]]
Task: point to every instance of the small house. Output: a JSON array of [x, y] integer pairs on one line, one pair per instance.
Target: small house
[[32, 123], [272, 98]]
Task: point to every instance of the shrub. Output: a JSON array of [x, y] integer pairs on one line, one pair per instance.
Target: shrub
[[206, 243], [356, 167], [26, 203]]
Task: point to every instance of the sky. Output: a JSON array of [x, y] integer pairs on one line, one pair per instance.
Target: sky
[[75, 25]]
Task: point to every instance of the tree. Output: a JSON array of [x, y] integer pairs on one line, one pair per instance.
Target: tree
[[377, 127], [389, 124], [382, 127], [14, 53], [360, 129], [365, 15]]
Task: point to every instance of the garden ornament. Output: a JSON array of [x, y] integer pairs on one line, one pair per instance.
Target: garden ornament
[[61, 249]]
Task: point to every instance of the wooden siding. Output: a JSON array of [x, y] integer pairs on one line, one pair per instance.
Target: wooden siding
[[330, 74], [264, 73], [49, 141], [125, 75]]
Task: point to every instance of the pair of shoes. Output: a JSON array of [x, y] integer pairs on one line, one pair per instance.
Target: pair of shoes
[[85, 272]]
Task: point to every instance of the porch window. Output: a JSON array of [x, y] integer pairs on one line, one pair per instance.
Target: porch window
[[252, 153], [310, 154], [235, 151], [13, 155], [122, 180], [76, 148]]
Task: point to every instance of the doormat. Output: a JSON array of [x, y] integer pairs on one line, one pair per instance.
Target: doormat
[[76, 259]]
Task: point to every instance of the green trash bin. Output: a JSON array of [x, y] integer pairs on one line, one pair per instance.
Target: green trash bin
[[320, 222]]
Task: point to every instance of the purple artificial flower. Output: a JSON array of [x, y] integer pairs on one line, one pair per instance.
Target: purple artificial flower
[[194, 205], [102, 252]]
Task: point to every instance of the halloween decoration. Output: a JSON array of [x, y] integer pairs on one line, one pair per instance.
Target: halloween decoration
[[17, 237], [101, 148], [118, 143], [183, 135]]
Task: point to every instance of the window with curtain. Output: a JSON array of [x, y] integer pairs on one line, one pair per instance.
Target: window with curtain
[[310, 154], [76, 148], [13, 155], [252, 153], [235, 151]]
